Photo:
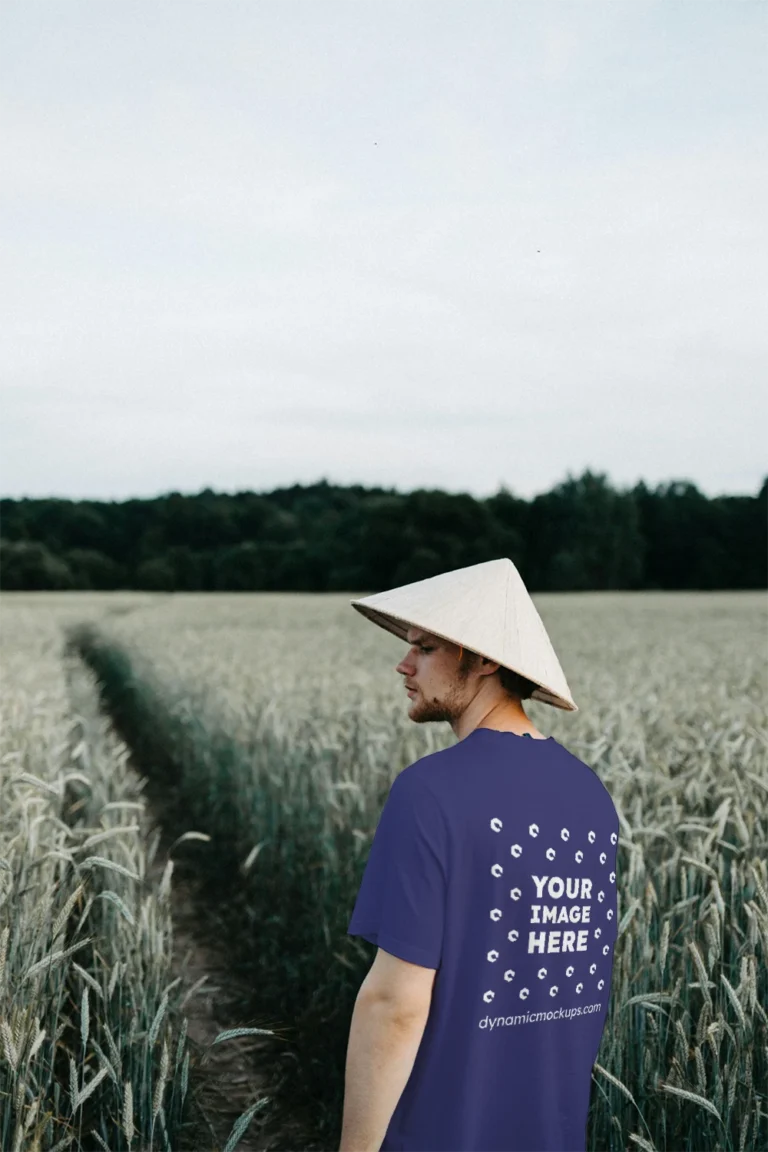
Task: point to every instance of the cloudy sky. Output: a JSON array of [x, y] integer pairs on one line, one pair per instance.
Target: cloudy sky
[[436, 244]]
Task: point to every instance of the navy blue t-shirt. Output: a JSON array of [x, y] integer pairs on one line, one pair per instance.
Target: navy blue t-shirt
[[494, 861]]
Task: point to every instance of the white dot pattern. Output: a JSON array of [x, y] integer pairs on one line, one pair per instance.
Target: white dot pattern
[[575, 891]]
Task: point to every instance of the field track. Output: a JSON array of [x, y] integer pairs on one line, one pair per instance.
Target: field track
[[225, 1079]]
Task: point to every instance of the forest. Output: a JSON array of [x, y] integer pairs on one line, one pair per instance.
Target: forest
[[583, 535]]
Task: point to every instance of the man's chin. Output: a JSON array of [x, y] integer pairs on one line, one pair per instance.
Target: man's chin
[[425, 716]]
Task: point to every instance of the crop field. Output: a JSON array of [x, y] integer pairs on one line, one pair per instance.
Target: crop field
[[266, 729], [87, 1046]]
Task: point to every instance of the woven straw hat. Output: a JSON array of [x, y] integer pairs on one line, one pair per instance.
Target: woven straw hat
[[486, 608]]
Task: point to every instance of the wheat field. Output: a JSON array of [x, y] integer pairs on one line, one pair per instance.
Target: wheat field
[[93, 1050], [278, 722]]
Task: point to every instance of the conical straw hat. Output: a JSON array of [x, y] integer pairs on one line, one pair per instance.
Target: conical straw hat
[[485, 608]]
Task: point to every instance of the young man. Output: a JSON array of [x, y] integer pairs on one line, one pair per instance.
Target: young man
[[489, 892]]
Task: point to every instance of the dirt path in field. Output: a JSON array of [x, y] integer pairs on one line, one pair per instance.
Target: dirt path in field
[[229, 1078], [224, 1085]]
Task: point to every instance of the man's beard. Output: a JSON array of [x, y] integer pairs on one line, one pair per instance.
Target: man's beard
[[449, 708]]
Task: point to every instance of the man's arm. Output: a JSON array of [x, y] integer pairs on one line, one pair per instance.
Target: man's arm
[[383, 1042]]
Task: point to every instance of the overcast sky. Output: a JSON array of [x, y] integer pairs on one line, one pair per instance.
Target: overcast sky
[[450, 245]]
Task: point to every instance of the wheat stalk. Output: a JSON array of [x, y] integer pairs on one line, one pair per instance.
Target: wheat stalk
[[128, 1111], [158, 1099]]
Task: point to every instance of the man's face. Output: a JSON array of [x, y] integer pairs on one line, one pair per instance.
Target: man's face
[[443, 687]]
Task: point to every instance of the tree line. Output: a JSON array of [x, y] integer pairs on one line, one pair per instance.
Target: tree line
[[582, 535]]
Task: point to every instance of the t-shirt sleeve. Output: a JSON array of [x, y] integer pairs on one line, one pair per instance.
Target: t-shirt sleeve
[[400, 905]]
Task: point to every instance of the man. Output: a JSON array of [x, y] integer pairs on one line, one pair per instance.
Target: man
[[489, 892]]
